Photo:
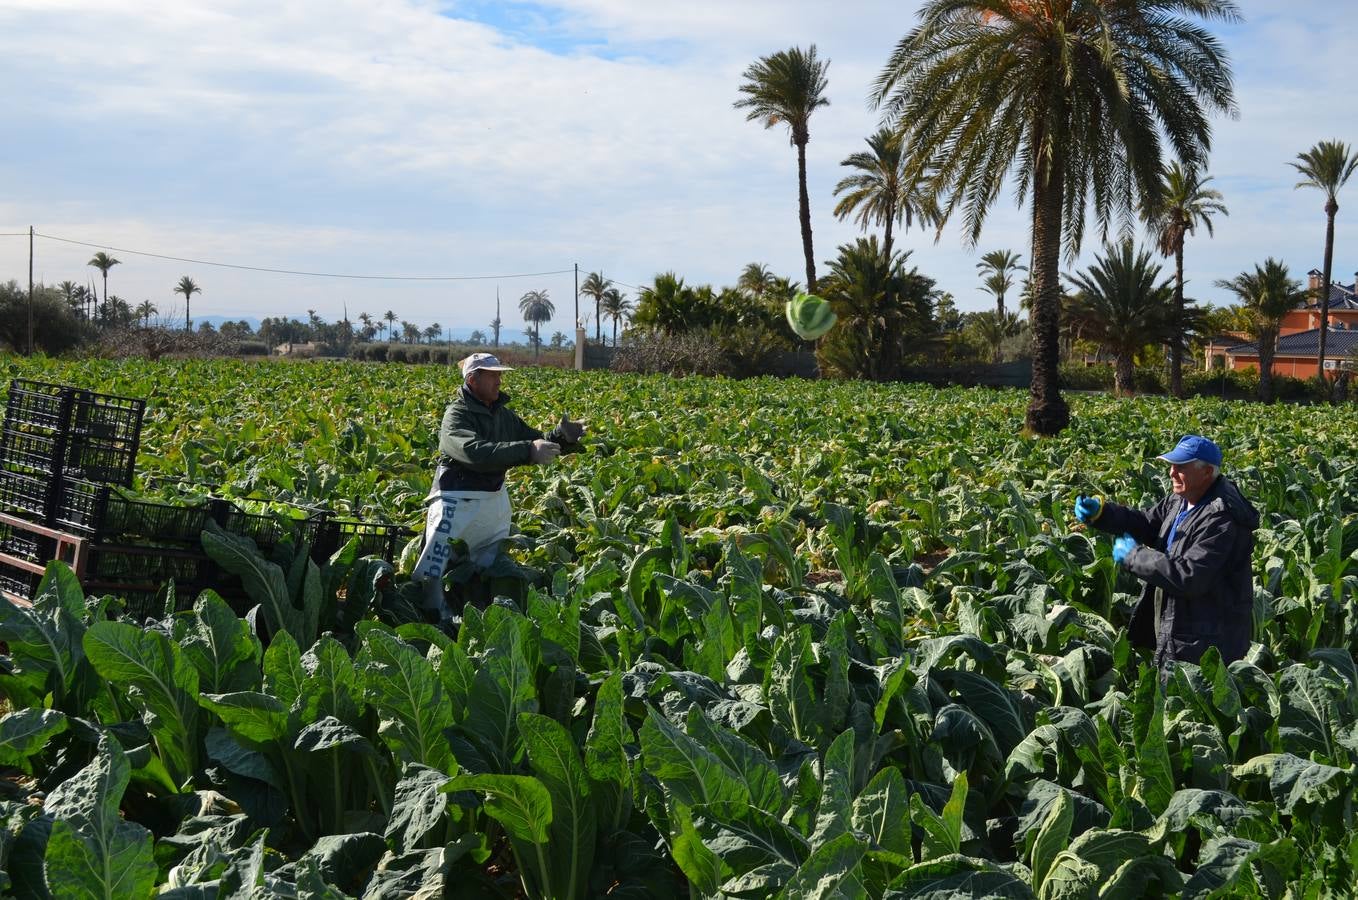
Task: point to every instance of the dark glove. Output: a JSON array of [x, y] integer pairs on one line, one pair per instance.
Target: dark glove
[[543, 452], [571, 432], [1123, 546], [1087, 509]]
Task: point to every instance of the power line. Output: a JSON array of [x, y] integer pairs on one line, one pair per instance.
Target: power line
[[205, 262]]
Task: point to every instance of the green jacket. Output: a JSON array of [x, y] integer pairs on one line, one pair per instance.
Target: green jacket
[[479, 443]]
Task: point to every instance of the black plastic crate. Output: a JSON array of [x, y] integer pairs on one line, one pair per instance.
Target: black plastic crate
[[108, 418], [30, 452], [382, 539], [37, 404], [269, 530], [19, 582], [28, 496], [34, 548], [80, 506], [149, 566]]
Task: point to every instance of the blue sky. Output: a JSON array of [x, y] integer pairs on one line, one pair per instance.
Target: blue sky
[[478, 138]]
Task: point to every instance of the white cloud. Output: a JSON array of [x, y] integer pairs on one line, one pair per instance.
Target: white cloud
[[405, 136]]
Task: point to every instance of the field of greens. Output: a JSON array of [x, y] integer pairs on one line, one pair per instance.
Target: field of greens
[[763, 639]]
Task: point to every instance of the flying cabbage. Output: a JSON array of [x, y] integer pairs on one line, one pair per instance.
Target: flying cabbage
[[810, 316]]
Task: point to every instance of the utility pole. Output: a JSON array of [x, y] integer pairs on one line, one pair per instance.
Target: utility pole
[[30, 290]]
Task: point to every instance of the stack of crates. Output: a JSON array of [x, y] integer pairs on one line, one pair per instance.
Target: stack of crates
[[55, 439], [65, 453]]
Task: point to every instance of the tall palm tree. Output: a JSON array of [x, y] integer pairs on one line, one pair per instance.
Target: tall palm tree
[[390, 318], [617, 306], [1326, 167], [998, 268], [596, 285], [536, 309], [145, 310], [103, 262], [366, 319], [1268, 294], [879, 193], [1122, 304], [1073, 96], [187, 287], [1185, 203], [786, 88]]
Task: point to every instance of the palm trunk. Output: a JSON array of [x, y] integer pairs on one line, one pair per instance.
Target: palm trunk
[[804, 209], [615, 331], [598, 323], [1047, 411], [1124, 382], [1268, 340], [1331, 207], [1176, 348], [891, 338]]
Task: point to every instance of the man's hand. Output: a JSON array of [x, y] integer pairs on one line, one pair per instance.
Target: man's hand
[[571, 432], [1123, 546], [1087, 509], [543, 452]]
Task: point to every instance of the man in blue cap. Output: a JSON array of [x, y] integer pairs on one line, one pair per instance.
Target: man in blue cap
[[1192, 549]]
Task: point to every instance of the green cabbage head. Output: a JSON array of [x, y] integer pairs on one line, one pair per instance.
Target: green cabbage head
[[810, 316]]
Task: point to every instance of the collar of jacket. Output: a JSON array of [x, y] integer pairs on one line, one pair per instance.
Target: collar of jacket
[[1224, 495], [475, 405]]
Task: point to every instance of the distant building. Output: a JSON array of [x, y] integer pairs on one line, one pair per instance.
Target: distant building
[[1299, 335], [297, 348]]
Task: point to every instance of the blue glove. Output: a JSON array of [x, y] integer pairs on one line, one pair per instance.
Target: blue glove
[[1087, 509], [1122, 546]]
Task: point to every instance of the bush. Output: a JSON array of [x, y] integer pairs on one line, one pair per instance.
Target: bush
[[252, 348], [55, 327], [685, 353]]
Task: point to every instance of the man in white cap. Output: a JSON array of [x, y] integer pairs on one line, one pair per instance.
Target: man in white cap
[[1193, 550], [481, 438]]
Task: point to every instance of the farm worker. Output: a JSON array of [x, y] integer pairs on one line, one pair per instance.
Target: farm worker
[[481, 438], [1192, 549]]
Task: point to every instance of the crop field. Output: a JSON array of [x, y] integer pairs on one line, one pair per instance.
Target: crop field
[[762, 639]]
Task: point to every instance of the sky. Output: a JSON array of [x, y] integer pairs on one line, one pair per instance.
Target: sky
[[500, 145]]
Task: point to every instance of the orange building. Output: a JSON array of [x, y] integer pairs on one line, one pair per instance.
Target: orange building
[[1299, 336]]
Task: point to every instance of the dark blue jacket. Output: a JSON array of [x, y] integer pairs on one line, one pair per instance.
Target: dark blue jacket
[[1205, 585]]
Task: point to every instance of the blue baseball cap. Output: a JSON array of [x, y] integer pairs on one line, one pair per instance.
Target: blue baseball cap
[[1193, 447]]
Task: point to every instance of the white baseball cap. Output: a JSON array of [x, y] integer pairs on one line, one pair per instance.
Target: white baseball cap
[[483, 361]]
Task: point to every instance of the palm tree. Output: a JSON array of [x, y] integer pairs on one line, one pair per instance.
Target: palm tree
[[993, 326], [70, 292], [145, 310], [118, 311], [1326, 167], [188, 289], [786, 88], [536, 309], [880, 194], [390, 318], [997, 269], [367, 321], [1268, 294], [1122, 304], [1073, 97], [755, 279], [1185, 203], [431, 332], [103, 262], [595, 285], [617, 306]]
